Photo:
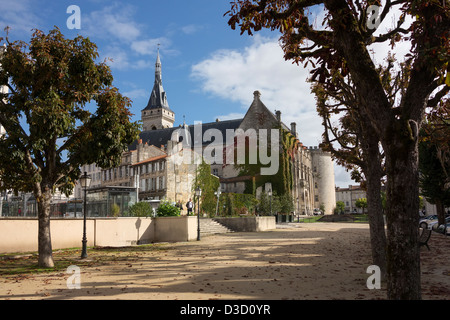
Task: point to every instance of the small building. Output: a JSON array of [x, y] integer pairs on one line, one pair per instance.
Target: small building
[[349, 196], [110, 201]]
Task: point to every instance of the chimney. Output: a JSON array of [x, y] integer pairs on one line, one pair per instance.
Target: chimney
[[294, 129], [278, 113]]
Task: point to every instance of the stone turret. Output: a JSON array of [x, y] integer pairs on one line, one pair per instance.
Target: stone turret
[[324, 185]]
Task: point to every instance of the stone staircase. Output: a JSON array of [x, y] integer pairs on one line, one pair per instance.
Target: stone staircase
[[209, 227]]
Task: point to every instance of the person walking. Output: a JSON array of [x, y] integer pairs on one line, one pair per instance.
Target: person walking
[[189, 206]]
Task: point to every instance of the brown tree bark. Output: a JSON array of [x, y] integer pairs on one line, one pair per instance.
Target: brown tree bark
[[440, 210], [374, 174], [403, 255], [44, 240]]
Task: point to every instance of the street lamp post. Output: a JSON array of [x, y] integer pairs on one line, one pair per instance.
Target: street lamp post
[[218, 193], [85, 181], [198, 193], [270, 195]]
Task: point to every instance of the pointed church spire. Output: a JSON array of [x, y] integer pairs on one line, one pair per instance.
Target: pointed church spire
[[158, 75], [157, 114], [158, 98]]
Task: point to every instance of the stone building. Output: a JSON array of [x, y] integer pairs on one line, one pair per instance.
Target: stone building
[[349, 196], [324, 185], [152, 163]]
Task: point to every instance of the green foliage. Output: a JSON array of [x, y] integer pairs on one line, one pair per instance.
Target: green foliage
[[340, 207], [361, 203], [209, 185], [234, 204], [263, 207], [50, 131], [167, 209], [115, 210], [271, 205], [140, 209], [432, 180], [322, 207], [226, 205], [286, 203], [245, 203], [282, 181], [51, 81], [290, 144]]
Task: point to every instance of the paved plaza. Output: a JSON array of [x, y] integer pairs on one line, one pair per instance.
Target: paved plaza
[[295, 261]]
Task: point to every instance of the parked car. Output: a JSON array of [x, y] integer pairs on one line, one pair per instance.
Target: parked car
[[423, 223], [442, 228], [433, 225], [317, 212]]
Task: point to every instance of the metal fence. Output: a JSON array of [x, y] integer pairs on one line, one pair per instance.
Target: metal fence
[[20, 208]]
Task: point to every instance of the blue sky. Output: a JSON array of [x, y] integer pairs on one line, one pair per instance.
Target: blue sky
[[209, 71]]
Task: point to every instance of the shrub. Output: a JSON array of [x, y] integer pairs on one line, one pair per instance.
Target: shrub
[[140, 209], [167, 209], [233, 204], [115, 210]]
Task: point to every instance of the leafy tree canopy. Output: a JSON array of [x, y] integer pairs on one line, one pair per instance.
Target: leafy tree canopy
[[51, 130]]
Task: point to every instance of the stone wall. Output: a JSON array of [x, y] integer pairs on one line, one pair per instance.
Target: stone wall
[[21, 235], [248, 224]]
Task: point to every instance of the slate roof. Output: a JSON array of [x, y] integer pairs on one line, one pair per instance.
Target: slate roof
[[161, 136], [158, 97]]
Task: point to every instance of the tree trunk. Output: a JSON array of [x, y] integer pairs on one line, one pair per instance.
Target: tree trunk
[[440, 210], [403, 255], [372, 168], [44, 238], [375, 213]]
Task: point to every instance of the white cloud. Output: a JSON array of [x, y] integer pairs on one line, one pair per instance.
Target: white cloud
[[119, 58], [147, 46], [112, 22], [380, 50], [342, 177], [191, 29], [136, 93], [150, 46], [230, 116], [126, 38], [236, 74], [19, 16]]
